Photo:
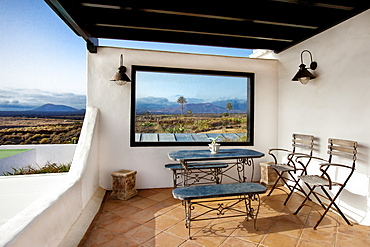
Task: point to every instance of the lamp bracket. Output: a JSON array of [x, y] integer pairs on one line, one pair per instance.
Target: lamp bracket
[[313, 64]]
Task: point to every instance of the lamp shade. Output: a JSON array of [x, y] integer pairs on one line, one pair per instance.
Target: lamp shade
[[120, 77], [303, 75]]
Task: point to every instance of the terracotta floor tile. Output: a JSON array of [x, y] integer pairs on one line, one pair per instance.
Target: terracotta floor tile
[[181, 231], [164, 240], [98, 237], [355, 230], [160, 208], [232, 242], [304, 243], [172, 201], [246, 231], [344, 240], [164, 190], [209, 241], [162, 222], [190, 243], [146, 192], [221, 228], [319, 236], [143, 203], [287, 228], [142, 216], [127, 210], [107, 218], [159, 197], [328, 222], [111, 205], [140, 234], [178, 213], [280, 240], [155, 218], [121, 225], [120, 241]]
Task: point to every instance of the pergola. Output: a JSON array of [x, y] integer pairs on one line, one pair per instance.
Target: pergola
[[260, 24]]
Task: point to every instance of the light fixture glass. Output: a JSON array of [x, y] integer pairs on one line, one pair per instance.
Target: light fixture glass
[[303, 75], [120, 77]]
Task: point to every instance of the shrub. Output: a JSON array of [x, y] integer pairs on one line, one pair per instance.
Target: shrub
[[147, 124], [48, 168], [176, 129], [44, 140]]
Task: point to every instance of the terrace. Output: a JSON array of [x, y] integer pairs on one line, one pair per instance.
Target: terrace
[[333, 105]]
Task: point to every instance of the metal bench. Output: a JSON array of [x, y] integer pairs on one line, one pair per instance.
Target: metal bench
[[237, 193], [197, 173]]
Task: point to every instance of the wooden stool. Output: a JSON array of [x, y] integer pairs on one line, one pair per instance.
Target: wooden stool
[[124, 184]]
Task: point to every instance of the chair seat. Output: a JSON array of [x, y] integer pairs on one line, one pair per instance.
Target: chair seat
[[282, 167], [316, 180]]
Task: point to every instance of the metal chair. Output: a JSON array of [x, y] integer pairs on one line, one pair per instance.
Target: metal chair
[[346, 150], [305, 145]]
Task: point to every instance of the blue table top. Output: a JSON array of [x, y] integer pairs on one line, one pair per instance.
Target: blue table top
[[197, 155], [217, 190]]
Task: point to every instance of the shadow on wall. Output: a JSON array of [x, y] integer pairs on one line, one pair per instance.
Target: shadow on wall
[[19, 158]]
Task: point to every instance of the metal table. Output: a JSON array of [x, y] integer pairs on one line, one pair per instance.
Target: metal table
[[243, 157]]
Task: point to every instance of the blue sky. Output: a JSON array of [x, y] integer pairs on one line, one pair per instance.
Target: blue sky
[[43, 61], [206, 88]]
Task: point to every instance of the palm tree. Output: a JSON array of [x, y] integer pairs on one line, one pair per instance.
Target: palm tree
[[229, 107], [181, 100]]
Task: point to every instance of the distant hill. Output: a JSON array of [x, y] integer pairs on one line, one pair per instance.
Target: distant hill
[[54, 108], [161, 105], [195, 108]]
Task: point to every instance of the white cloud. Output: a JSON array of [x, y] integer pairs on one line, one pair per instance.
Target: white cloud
[[12, 99]]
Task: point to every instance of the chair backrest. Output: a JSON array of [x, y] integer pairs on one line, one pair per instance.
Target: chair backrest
[[303, 142], [342, 148]]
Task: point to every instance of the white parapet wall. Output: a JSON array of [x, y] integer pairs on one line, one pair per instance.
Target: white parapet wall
[[59, 153], [18, 192], [16, 161], [48, 219]]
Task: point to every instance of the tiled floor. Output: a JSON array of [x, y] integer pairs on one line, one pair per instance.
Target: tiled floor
[[154, 218]]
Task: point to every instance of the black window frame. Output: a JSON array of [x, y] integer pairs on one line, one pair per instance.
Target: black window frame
[[250, 108]]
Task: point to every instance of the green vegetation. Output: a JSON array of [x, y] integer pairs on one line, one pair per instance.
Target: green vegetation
[[176, 129], [48, 168], [45, 134], [147, 124], [191, 123]]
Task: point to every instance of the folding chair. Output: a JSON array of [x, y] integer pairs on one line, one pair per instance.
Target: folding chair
[[305, 144], [339, 176]]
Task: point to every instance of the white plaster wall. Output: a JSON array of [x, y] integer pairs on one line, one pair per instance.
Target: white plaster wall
[[46, 221], [336, 104], [60, 153], [114, 104], [17, 161], [18, 192]]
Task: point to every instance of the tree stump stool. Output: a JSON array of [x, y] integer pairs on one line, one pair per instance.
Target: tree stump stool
[[124, 184]]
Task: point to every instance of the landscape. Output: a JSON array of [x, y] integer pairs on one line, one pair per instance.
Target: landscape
[[159, 115], [47, 124]]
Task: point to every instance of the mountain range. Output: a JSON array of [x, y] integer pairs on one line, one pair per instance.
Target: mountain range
[[45, 110], [164, 106], [54, 108]]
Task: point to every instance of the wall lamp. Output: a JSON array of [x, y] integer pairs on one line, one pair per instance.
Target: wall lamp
[[303, 75], [120, 77]]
